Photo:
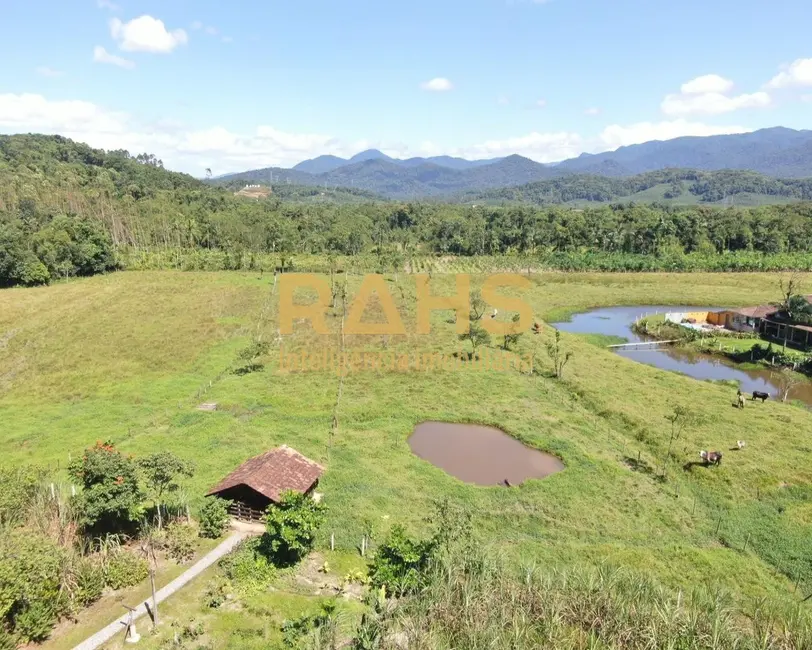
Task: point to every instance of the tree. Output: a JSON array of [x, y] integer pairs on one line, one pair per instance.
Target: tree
[[559, 357], [208, 172], [162, 472], [678, 419], [785, 379], [477, 335], [512, 339], [290, 528], [110, 501]]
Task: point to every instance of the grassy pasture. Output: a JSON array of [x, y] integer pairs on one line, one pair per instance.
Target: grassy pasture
[[128, 356]]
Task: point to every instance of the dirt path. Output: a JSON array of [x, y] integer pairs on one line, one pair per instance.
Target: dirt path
[[117, 627]]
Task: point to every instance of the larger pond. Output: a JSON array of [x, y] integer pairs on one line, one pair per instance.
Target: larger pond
[[618, 321], [479, 454]]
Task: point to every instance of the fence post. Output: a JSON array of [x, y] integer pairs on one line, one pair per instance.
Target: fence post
[[332, 541]]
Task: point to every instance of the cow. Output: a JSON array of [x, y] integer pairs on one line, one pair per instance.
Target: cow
[[757, 394], [711, 457], [740, 399]]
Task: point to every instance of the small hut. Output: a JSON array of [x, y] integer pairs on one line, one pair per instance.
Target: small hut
[[262, 480]]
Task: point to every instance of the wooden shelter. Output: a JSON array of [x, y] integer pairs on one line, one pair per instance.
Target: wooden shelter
[[261, 481]]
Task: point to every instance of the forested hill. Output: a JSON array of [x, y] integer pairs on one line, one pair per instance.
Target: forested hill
[[398, 181], [678, 186], [67, 210], [777, 152]]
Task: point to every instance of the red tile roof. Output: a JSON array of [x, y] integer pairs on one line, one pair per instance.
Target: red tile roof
[[761, 311], [273, 473]]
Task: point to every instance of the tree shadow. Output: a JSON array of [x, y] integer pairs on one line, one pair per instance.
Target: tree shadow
[[638, 465]]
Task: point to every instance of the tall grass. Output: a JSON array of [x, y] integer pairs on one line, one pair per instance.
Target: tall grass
[[474, 601]]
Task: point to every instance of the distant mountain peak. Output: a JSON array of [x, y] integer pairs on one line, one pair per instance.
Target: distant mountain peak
[[369, 154]]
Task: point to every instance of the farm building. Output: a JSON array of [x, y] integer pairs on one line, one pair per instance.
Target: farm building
[[262, 480]]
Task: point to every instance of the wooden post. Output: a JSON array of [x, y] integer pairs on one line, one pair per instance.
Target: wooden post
[[332, 541], [53, 492], [363, 546], [154, 601]]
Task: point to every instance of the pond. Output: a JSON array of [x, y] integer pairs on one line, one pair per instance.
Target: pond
[[618, 321], [479, 454]]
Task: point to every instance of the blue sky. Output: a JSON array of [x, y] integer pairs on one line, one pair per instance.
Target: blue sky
[[238, 85]]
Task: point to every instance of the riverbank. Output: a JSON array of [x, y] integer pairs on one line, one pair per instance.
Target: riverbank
[[741, 348]]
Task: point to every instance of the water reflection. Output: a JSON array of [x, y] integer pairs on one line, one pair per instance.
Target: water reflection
[[617, 321]]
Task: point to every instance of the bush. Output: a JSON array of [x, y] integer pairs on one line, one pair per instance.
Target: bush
[[35, 622], [291, 528], [124, 569], [89, 577], [400, 563], [31, 569], [33, 273], [214, 517], [180, 542], [248, 568], [111, 498], [217, 592]]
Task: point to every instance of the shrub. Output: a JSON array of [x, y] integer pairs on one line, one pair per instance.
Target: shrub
[[248, 568], [124, 569], [214, 517], [291, 528], [400, 563], [180, 542], [217, 592], [31, 568], [89, 577], [111, 498], [35, 621]]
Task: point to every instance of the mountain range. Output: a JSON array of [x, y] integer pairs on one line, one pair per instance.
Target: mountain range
[[777, 152]]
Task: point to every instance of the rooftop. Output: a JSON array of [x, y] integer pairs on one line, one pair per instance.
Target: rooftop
[[273, 473]]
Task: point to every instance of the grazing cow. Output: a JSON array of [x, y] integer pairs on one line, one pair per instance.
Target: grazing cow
[[759, 395], [741, 444], [711, 457], [740, 399]]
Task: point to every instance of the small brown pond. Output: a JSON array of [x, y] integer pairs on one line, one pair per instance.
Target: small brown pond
[[479, 454]]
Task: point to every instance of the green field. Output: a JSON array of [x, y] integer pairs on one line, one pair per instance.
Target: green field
[[128, 356]]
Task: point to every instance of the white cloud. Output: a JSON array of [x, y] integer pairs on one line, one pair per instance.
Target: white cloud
[[712, 103], [710, 94], [543, 147], [227, 39], [615, 136], [709, 83], [806, 99], [146, 34], [45, 71], [541, 103], [797, 73], [439, 84], [100, 55], [197, 25], [211, 31], [502, 100], [28, 112], [107, 4], [193, 150], [592, 111]]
